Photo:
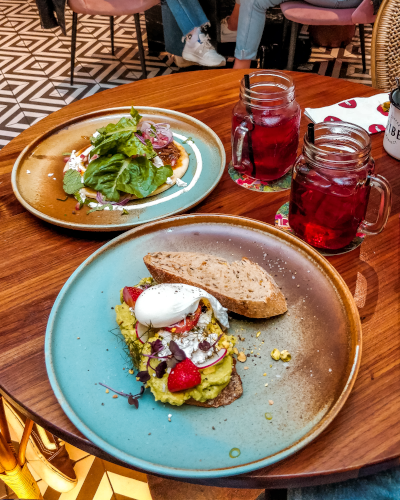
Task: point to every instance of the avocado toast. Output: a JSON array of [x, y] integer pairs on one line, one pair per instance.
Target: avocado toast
[[187, 361]]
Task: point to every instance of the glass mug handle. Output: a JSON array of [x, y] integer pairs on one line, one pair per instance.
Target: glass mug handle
[[385, 203], [237, 143]]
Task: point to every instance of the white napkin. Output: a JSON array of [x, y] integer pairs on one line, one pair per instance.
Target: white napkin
[[366, 112]]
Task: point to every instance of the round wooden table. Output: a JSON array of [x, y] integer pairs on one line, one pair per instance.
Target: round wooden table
[[37, 258]]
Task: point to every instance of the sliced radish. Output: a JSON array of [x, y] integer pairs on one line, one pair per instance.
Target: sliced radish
[[142, 332], [213, 360]]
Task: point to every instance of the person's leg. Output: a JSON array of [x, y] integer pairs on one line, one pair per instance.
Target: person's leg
[[190, 17], [172, 33], [233, 19], [229, 25], [188, 14], [250, 29], [335, 4]]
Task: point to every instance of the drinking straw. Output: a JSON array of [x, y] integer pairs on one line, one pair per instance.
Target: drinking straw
[[249, 140], [310, 133]]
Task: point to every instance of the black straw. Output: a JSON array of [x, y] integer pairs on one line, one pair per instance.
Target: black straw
[[249, 140], [310, 133]]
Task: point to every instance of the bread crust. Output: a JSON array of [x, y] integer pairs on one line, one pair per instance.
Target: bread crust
[[227, 396], [243, 286]]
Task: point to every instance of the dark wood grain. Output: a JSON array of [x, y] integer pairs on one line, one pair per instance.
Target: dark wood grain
[[37, 259]]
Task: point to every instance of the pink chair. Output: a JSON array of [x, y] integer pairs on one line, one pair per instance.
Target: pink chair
[[305, 13], [109, 8]]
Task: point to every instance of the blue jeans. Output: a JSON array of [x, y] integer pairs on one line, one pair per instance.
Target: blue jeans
[[180, 17], [252, 21], [382, 486]]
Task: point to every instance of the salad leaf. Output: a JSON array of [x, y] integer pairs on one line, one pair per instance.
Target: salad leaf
[[72, 181], [124, 142], [124, 125], [137, 176]]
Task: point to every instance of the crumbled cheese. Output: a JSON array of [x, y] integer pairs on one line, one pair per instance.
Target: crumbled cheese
[[28, 171], [50, 175], [169, 181], [157, 162], [96, 134], [181, 183]]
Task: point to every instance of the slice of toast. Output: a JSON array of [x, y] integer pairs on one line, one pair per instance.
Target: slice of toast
[[243, 286], [231, 392]]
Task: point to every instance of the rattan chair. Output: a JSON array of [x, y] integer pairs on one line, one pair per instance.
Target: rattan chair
[[13, 466], [385, 46]]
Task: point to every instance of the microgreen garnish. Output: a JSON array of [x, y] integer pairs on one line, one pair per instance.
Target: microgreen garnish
[[66, 154], [125, 211], [161, 368], [177, 352], [60, 199], [143, 376], [132, 399], [206, 346], [188, 139], [177, 355]]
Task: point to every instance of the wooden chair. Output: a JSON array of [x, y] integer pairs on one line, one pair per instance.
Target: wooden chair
[[109, 8], [385, 47], [13, 467], [305, 13]]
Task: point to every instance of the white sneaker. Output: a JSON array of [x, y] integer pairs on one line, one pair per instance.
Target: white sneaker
[[199, 49], [227, 35], [183, 63]]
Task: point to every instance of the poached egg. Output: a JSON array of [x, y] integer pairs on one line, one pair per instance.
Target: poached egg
[[166, 304]]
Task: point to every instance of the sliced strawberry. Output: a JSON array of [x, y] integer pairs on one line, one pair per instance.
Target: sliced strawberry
[[131, 294], [186, 324], [184, 376]]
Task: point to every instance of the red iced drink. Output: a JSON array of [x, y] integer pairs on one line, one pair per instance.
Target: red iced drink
[[331, 184], [326, 210], [269, 114]]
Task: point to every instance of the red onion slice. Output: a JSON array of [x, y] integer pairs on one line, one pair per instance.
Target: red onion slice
[[103, 201], [159, 134], [215, 358], [141, 334]]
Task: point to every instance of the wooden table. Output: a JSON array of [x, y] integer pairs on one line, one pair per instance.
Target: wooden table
[[37, 258]]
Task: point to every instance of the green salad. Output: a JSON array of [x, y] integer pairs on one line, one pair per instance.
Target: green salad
[[120, 162]]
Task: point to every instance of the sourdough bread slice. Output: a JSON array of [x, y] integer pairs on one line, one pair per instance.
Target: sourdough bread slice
[[227, 396], [242, 286]]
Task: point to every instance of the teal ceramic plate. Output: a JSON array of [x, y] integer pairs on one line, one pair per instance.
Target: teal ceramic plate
[[321, 331], [37, 176]]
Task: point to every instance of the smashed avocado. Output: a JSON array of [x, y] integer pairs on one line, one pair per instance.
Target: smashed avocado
[[213, 379]]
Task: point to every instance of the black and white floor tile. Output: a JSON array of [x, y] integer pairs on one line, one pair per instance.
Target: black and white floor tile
[[35, 63]]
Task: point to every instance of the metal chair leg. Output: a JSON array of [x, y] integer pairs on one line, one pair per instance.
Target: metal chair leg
[[362, 43], [73, 44], [112, 34], [285, 30], [140, 44], [292, 46]]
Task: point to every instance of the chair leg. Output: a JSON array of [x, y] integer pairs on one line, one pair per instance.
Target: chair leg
[[140, 44], [362, 43], [73, 44], [285, 30], [112, 34], [292, 46]]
